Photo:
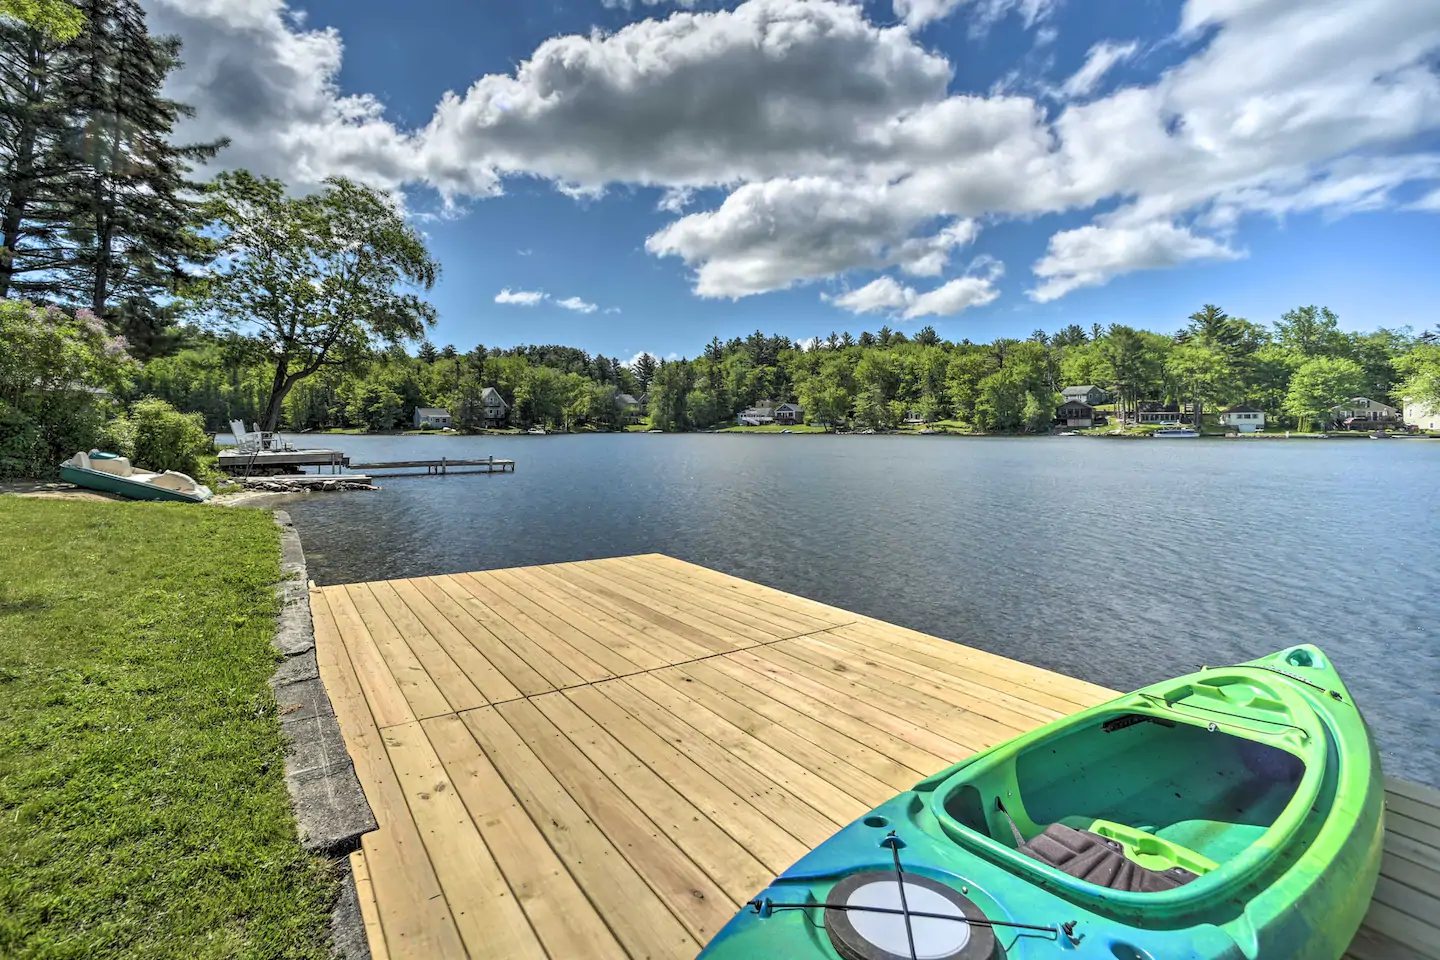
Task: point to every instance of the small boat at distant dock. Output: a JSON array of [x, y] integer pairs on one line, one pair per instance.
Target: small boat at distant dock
[[109, 473], [1175, 433]]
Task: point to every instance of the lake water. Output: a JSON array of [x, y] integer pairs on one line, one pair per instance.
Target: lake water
[[1119, 562]]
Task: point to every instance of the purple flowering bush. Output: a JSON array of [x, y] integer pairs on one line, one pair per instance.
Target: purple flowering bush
[[57, 373]]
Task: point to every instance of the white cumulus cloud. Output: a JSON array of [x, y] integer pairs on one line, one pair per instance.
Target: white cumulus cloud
[[521, 298], [1091, 255], [887, 295], [576, 304]]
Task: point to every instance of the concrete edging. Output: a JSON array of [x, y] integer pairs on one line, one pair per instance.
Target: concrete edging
[[330, 806]]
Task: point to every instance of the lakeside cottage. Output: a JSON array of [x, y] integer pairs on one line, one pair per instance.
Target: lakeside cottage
[[634, 407], [768, 411], [1155, 413], [1422, 415], [1360, 411], [434, 418], [1076, 413], [1243, 418], [497, 411], [1085, 393], [789, 414]]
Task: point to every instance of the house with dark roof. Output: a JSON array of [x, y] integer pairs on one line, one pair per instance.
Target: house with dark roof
[[789, 414], [634, 407], [432, 418], [497, 411], [1243, 418], [1075, 413], [1086, 393]]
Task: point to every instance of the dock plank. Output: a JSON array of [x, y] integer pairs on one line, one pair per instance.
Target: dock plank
[[719, 634], [922, 761], [642, 651], [695, 900], [802, 821], [863, 758], [639, 919], [482, 904], [415, 682], [564, 920], [454, 684], [369, 910], [525, 679], [758, 833], [793, 774], [381, 691], [574, 658], [758, 615], [413, 913], [539, 659], [733, 868], [650, 633], [488, 680]]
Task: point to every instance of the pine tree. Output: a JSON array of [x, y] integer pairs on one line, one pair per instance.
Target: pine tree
[[35, 166], [133, 208]]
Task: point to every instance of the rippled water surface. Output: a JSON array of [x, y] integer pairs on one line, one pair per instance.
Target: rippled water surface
[[1119, 562]]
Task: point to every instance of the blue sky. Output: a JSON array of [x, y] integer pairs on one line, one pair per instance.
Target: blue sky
[[986, 166]]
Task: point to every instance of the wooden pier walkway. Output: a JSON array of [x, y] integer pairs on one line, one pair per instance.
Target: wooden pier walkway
[[441, 466], [606, 759]]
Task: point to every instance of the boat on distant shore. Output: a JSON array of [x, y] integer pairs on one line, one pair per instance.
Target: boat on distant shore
[[536, 431], [1175, 433], [109, 473]]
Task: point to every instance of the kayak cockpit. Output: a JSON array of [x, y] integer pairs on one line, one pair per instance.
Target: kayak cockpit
[[1147, 796]]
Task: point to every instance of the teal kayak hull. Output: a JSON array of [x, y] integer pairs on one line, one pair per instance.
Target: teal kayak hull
[[1260, 782], [125, 487]]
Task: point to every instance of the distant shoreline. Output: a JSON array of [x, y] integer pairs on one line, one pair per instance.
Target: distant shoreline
[[1294, 435]]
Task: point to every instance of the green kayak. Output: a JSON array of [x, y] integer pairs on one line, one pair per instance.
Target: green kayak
[[1232, 813]]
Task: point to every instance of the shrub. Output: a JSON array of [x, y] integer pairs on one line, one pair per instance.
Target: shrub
[[55, 374], [163, 438]]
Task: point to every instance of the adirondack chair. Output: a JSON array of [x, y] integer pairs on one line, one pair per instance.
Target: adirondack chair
[[246, 441]]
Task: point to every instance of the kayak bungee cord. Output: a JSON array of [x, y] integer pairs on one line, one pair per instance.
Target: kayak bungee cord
[[766, 906], [1172, 704], [893, 842]]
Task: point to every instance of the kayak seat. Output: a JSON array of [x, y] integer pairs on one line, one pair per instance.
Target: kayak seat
[[1099, 860]]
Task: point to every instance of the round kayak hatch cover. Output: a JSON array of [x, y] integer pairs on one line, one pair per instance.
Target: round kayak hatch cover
[[867, 935]]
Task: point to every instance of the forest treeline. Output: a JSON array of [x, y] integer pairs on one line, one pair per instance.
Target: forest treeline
[[1295, 369]]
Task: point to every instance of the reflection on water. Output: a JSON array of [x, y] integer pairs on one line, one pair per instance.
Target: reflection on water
[[1119, 562]]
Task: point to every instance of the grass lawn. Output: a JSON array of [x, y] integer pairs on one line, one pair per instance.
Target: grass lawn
[[775, 428], [953, 426], [142, 811]]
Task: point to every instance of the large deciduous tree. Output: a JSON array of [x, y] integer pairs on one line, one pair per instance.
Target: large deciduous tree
[[1319, 385], [320, 281], [1421, 370]]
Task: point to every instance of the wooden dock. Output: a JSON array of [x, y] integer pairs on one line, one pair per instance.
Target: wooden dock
[[235, 463], [442, 466], [606, 759]]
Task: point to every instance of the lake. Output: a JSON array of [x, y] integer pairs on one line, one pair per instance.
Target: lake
[[1119, 562]]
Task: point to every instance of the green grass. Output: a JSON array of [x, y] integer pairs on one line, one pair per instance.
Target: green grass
[[951, 426], [775, 428], [142, 810]]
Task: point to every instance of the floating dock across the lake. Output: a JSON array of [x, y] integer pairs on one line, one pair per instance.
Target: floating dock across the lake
[[442, 466], [606, 759]]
